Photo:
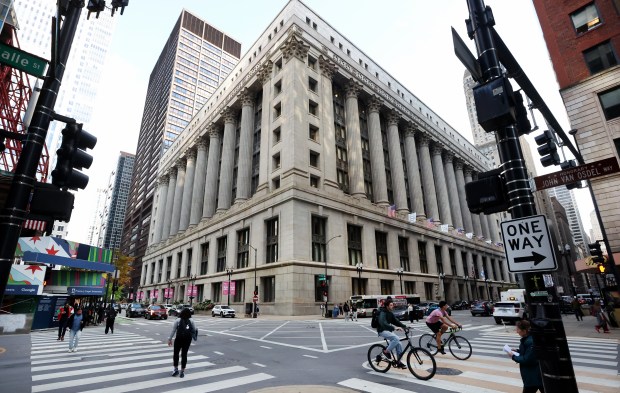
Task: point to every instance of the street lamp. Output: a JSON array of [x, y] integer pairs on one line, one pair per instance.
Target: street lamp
[[255, 284], [467, 287], [229, 271], [486, 284], [326, 294], [399, 271], [442, 277], [359, 267], [168, 293], [190, 283]]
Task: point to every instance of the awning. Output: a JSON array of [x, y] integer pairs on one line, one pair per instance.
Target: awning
[[583, 266], [30, 256]]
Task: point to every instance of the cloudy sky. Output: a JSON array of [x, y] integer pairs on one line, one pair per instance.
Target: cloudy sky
[[410, 39]]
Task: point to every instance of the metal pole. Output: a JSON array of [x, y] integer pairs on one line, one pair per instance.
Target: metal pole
[[255, 286], [14, 213], [327, 282]]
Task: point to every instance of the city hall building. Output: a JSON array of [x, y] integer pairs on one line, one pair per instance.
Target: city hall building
[[311, 160]]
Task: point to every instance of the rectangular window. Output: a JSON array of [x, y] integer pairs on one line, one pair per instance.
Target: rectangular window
[[312, 84], [382, 253], [239, 291], [204, 258], [216, 292], [313, 108], [269, 289], [428, 290], [222, 243], [277, 134], [277, 88], [610, 102], [277, 110], [585, 18], [452, 254], [314, 181], [354, 243], [243, 250], [271, 253], [314, 159], [275, 182], [387, 287], [276, 161], [153, 271], [403, 250], [438, 259], [311, 62], [409, 287], [600, 57], [319, 225], [313, 133], [422, 257], [188, 268], [179, 265]]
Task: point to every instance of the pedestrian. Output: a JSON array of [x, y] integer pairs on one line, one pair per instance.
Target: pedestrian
[[75, 324], [100, 314], [528, 363], [322, 310], [336, 311], [340, 308], [346, 310], [109, 321], [410, 313], [183, 330], [354, 311], [601, 318], [63, 317], [576, 306]]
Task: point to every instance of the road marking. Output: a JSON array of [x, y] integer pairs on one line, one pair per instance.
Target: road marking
[[274, 330], [259, 364], [264, 346], [233, 339], [310, 356], [219, 353], [229, 383], [323, 342], [437, 383], [371, 387]]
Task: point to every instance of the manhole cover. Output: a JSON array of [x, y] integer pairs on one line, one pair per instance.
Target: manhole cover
[[447, 371]]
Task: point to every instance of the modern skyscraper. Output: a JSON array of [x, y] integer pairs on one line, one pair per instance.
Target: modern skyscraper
[[117, 193], [95, 223], [316, 155], [194, 61], [566, 198]]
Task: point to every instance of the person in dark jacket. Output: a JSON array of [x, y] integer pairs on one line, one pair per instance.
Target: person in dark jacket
[[183, 330], [63, 316], [109, 321], [386, 319], [528, 363]]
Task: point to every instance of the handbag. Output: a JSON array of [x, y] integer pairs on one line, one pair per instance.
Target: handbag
[[195, 334]]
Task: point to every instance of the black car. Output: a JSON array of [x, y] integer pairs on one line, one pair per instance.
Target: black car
[[481, 308], [460, 305], [134, 310]]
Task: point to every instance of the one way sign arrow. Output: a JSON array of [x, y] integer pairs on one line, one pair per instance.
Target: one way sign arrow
[[535, 257]]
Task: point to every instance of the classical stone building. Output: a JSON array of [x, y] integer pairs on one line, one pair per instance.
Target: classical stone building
[[306, 161]]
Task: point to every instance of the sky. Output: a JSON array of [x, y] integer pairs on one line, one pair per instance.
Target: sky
[[410, 39]]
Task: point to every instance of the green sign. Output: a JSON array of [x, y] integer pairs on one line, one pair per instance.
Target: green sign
[[321, 277], [539, 293], [17, 58]]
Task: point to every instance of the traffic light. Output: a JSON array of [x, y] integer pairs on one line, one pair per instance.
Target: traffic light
[[596, 252], [524, 126], [548, 148], [487, 194], [71, 156], [95, 6], [495, 107], [567, 165], [601, 268]]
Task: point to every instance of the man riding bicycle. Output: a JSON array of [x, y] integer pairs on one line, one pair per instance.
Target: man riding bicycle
[[437, 321], [385, 329]]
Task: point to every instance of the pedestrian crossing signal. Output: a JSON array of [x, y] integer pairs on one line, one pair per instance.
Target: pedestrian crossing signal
[[601, 268]]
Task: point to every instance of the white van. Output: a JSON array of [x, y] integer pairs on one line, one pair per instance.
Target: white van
[[509, 312]]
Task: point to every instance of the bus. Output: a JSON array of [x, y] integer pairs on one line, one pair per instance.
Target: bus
[[366, 303]]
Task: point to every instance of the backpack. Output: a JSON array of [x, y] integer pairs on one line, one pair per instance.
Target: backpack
[[374, 322], [184, 330]]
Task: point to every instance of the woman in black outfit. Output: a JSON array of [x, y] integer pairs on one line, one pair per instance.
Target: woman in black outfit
[[184, 329]]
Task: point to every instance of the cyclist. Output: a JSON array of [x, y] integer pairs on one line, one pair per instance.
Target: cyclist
[[437, 321], [385, 329]]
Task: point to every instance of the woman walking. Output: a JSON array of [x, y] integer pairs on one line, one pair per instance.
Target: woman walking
[[601, 318], [528, 363], [185, 330]]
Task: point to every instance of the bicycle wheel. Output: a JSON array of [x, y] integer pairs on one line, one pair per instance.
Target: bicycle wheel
[[377, 359], [421, 363], [460, 348], [428, 342]]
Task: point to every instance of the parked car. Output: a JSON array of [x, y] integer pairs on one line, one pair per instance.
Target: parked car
[[134, 310], [483, 308], [155, 312], [401, 313], [176, 310], [433, 306], [509, 312], [123, 306], [222, 311], [460, 305], [424, 307], [168, 307]]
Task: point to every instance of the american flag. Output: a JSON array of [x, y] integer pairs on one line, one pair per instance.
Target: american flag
[[429, 223], [460, 231], [392, 211]]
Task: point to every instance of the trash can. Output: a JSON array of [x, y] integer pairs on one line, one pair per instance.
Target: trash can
[[328, 313]]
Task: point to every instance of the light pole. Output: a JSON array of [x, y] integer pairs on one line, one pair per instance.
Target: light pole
[[467, 288], [359, 267], [442, 277], [567, 255], [326, 295], [229, 271], [168, 293], [190, 283], [486, 284], [255, 285], [399, 271], [140, 294]]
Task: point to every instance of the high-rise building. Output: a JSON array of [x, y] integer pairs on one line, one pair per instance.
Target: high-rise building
[[194, 61], [300, 176], [116, 193], [583, 39], [595, 232], [95, 224], [567, 199]]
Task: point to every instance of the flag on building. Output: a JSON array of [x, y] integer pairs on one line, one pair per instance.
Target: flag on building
[[473, 272], [469, 235], [392, 211], [489, 241], [412, 217], [444, 227], [460, 231], [482, 274], [429, 223]]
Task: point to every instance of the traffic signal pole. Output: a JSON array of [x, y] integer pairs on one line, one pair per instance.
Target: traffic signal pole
[[547, 329], [14, 213]]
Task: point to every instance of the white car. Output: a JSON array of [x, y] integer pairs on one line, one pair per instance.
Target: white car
[[223, 311], [167, 307], [509, 312]]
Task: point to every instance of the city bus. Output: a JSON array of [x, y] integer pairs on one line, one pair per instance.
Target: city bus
[[366, 303]]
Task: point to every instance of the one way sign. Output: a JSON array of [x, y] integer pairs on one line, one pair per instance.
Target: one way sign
[[528, 245]]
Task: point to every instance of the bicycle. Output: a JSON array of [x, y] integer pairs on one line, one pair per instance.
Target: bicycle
[[459, 347], [419, 361]]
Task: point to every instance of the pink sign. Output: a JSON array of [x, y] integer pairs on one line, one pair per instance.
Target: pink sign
[[192, 290], [140, 295], [131, 296], [155, 293], [225, 288], [168, 293]]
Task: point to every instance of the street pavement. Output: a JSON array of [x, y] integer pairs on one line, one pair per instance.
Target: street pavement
[[227, 358]]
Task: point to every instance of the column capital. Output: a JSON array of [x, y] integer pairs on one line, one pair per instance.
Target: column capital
[[424, 139], [436, 149], [172, 172], [458, 164], [468, 171], [163, 179], [411, 129], [328, 68], [246, 97], [201, 143], [294, 46], [228, 114], [214, 131], [191, 153], [353, 88], [180, 163], [265, 71], [393, 118], [374, 105], [448, 156]]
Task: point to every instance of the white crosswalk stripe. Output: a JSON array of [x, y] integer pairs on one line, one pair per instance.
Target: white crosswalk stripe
[[126, 362]]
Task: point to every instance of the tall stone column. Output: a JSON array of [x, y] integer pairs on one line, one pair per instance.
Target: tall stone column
[[327, 130], [431, 257], [178, 197], [354, 141], [377, 160], [490, 274], [198, 190], [440, 184], [507, 275], [445, 259], [264, 76], [186, 204], [430, 195], [484, 223], [453, 194], [414, 254], [413, 172], [224, 195], [162, 192], [460, 185], [396, 163], [172, 185], [493, 228], [213, 168], [479, 265], [475, 218], [458, 260], [497, 269], [246, 147], [469, 261]]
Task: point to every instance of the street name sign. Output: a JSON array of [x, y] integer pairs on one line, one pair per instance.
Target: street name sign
[[27, 62], [578, 173], [528, 244]]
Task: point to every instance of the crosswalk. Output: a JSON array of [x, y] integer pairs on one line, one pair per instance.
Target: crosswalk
[[126, 362], [490, 370]]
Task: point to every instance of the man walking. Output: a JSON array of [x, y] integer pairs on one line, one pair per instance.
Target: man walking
[[75, 324], [345, 311], [109, 321], [63, 316]]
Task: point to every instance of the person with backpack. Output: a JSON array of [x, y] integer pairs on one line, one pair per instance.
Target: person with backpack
[[185, 330], [383, 323], [346, 311], [109, 321]]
